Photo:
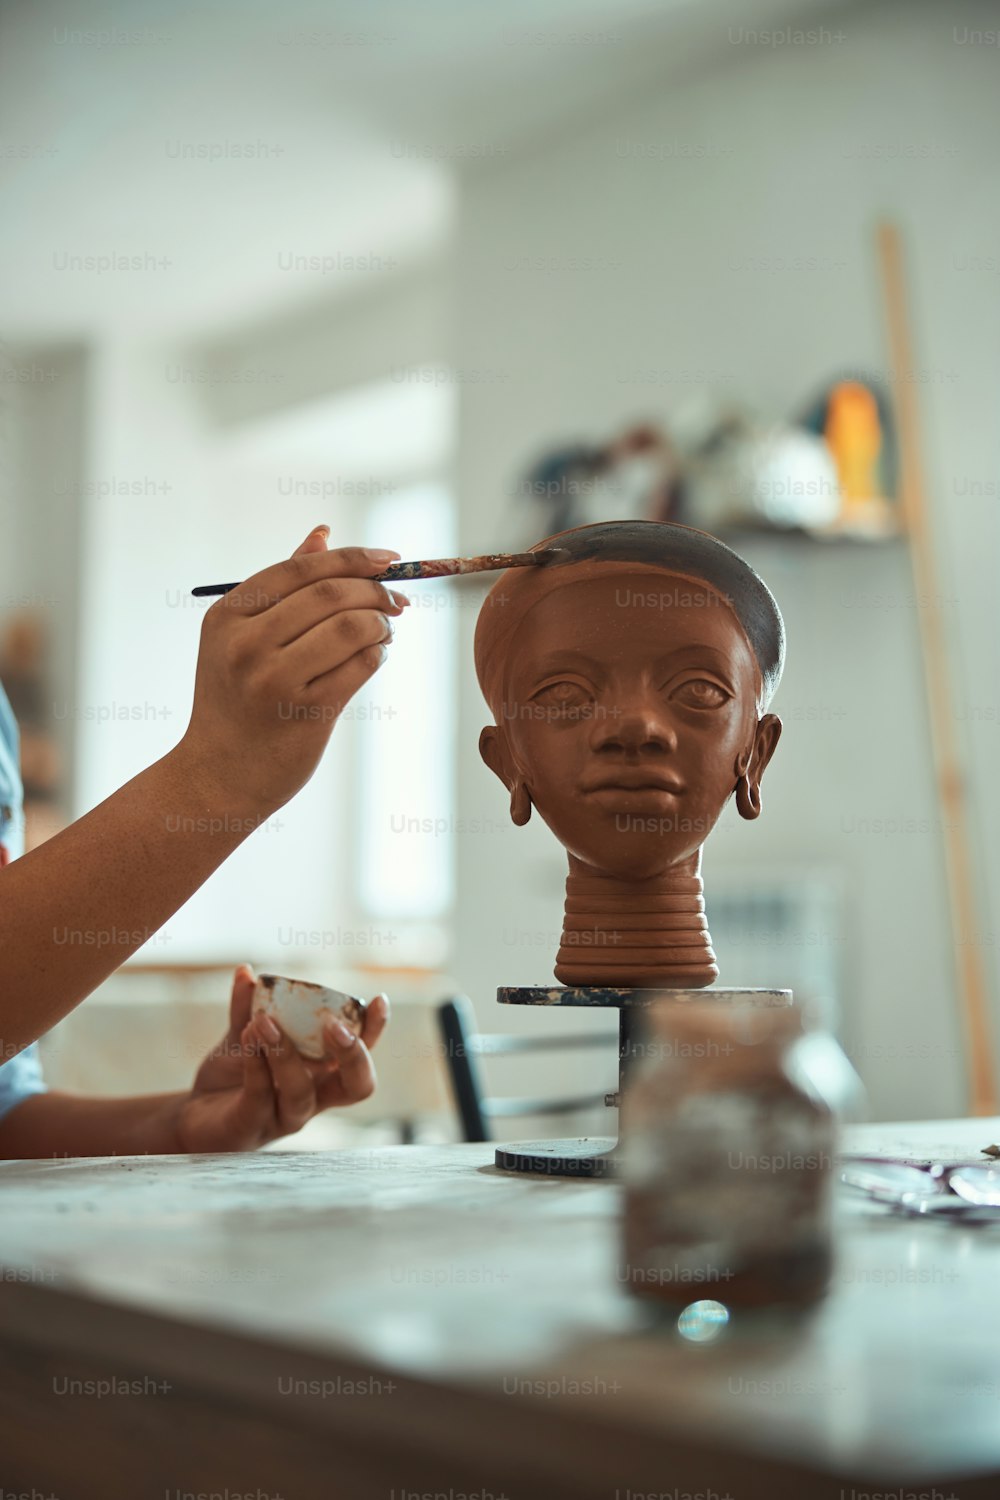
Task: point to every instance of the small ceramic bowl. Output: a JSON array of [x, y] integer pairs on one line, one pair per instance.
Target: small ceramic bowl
[[301, 1009]]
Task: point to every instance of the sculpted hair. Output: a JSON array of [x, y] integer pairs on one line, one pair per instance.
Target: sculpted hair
[[637, 546]]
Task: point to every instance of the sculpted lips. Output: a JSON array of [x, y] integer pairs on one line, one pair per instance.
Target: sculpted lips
[[634, 779]]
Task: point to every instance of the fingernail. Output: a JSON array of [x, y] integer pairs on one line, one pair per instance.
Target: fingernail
[[389, 632], [322, 530], [379, 555], [401, 599], [345, 1037], [268, 1027]]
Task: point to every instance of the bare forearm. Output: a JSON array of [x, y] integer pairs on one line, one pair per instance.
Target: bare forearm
[[74, 909], [51, 1125]]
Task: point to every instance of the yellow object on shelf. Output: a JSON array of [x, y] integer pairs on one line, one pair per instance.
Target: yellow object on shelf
[[853, 434]]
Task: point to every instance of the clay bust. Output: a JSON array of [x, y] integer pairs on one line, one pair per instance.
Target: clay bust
[[629, 686]]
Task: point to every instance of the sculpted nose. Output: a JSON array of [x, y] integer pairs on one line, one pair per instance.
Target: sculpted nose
[[633, 728]]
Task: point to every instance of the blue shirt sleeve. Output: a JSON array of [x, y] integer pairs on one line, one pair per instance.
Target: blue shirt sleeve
[[22, 1075], [19, 1079]]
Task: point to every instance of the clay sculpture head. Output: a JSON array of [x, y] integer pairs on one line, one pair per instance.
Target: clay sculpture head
[[629, 685]]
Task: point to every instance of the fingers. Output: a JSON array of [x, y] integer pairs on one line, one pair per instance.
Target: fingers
[[316, 541], [259, 1103], [239, 1116], [264, 589], [293, 1089], [354, 1078], [377, 1013], [241, 999], [333, 642], [290, 1076], [325, 599], [329, 694]]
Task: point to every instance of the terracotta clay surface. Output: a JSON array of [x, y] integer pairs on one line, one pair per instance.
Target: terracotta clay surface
[[629, 686]]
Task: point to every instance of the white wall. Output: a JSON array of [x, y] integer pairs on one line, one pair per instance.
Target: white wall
[[682, 200]]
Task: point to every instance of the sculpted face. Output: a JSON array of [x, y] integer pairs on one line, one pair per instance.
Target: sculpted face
[[628, 696], [629, 716]]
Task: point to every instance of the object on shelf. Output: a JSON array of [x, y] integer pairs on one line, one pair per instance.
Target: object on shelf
[[774, 478], [721, 469], [855, 421], [634, 477]]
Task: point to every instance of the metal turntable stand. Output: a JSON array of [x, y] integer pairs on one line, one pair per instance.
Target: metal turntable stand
[[599, 1156]]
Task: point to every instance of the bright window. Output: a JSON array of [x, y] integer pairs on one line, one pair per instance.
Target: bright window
[[332, 862], [406, 770]]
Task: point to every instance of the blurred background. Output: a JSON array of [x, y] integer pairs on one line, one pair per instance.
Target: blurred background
[[449, 277]]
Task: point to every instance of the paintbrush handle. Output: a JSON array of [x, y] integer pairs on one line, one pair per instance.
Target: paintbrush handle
[[434, 567]]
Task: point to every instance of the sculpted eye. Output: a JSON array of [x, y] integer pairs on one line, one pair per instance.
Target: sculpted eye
[[561, 700], [698, 692]]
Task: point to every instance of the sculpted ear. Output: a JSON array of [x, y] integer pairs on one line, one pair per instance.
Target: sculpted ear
[[764, 745], [751, 769], [494, 753]]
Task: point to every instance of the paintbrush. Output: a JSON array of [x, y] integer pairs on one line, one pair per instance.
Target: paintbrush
[[435, 567]]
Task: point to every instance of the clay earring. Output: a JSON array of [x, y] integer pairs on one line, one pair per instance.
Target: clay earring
[[747, 797], [520, 804]]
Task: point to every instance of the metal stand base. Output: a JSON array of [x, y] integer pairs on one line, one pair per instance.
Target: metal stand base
[[587, 1156], [598, 1156]]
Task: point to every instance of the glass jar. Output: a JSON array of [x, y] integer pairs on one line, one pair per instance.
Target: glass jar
[[729, 1130]]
